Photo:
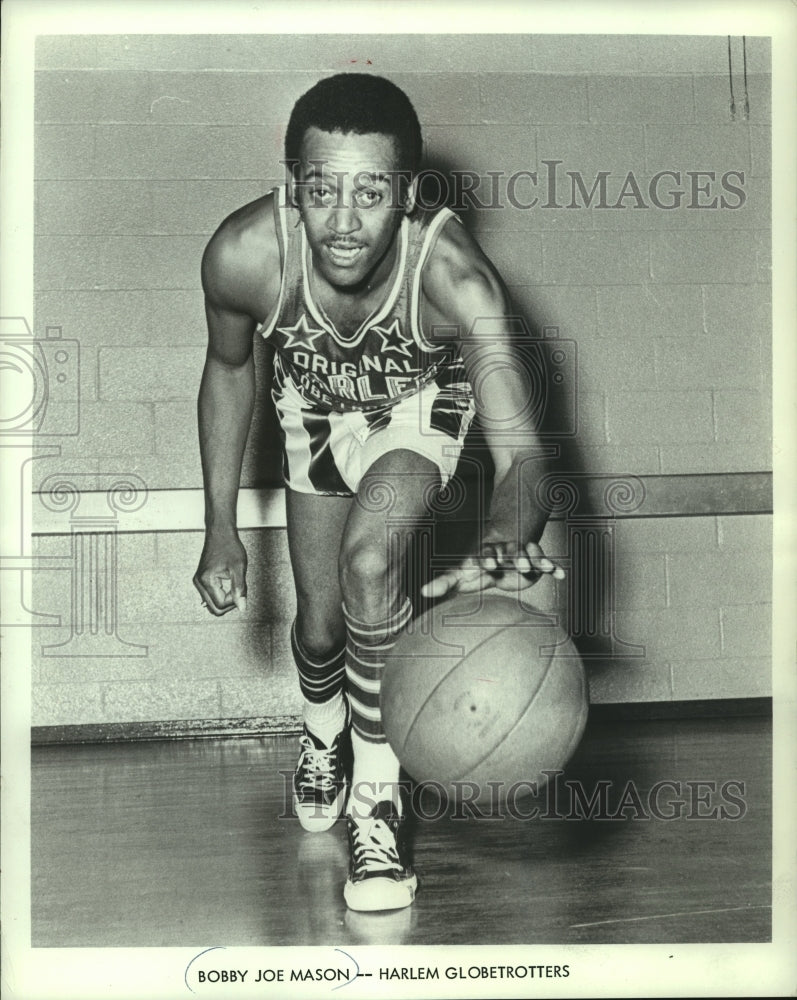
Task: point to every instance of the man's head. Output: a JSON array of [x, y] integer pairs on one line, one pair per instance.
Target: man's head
[[353, 144], [357, 104]]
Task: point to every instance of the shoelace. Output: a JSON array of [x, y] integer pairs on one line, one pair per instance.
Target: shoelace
[[375, 846], [316, 767]]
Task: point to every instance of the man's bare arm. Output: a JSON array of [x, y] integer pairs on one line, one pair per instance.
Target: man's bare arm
[[241, 280], [225, 404], [465, 291]]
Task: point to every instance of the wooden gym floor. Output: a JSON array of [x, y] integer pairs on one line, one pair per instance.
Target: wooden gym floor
[[181, 843]]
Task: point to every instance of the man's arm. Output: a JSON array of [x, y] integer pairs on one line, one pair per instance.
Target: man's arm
[[464, 290], [225, 404]]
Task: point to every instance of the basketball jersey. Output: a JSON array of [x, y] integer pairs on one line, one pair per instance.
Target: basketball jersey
[[387, 358]]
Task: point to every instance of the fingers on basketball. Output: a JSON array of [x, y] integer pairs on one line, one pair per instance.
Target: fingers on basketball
[[541, 563], [499, 565], [508, 566], [463, 579]]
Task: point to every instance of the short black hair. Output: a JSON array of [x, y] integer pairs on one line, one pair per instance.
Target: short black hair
[[358, 103]]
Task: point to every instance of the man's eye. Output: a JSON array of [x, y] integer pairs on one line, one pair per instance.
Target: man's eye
[[367, 198], [320, 195]]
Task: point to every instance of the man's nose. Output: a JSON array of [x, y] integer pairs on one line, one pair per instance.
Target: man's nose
[[343, 220]]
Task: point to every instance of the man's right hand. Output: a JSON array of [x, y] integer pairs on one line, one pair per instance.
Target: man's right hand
[[221, 575]]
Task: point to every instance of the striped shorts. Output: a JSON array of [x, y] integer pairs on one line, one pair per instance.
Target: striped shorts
[[327, 452]]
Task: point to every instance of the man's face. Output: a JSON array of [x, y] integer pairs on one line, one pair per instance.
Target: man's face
[[348, 195]]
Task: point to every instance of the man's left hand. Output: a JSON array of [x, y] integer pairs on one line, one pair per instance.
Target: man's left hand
[[499, 565]]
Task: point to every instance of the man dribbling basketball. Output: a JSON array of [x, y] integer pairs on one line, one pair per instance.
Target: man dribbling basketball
[[352, 282]]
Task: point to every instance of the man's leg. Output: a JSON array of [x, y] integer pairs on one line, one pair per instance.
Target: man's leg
[[391, 501], [318, 637]]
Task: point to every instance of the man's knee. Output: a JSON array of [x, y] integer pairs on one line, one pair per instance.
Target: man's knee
[[364, 568], [319, 638]]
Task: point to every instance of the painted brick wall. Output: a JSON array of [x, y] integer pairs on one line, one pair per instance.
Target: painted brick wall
[[687, 591], [144, 143]]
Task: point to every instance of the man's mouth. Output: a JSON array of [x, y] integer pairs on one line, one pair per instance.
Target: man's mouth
[[344, 253]]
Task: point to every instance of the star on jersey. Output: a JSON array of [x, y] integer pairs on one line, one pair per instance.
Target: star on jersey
[[300, 334], [393, 339]]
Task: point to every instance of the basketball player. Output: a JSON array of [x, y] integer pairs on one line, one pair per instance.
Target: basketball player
[[351, 282]]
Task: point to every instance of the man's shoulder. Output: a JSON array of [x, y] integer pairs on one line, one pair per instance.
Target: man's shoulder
[[458, 274], [455, 250], [246, 234], [241, 262]]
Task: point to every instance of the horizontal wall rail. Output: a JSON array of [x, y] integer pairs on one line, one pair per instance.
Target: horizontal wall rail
[[609, 496]]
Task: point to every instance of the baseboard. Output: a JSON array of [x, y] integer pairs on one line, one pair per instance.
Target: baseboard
[[286, 725], [176, 729], [704, 708]]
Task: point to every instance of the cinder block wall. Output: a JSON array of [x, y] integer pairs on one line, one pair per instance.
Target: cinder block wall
[[144, 143]]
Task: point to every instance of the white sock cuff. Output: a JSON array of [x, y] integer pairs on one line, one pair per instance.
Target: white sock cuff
[[375, 777], [326, 718]]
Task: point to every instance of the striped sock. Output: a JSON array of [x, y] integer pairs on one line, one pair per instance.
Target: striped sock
[[321, 684], [376, 767]]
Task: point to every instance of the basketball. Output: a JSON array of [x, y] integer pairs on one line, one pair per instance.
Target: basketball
[[483, 689]]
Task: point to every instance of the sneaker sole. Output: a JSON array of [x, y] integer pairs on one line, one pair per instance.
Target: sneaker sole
[[380, 894], [318, 819]]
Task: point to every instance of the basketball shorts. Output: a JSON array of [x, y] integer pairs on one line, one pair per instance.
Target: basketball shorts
[[327, 452]]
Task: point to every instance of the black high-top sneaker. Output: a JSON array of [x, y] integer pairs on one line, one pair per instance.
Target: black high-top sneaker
[[380, 872], [321, 779]]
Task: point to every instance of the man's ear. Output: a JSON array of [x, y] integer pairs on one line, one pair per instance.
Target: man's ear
[[411, 195], [291, 169]]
